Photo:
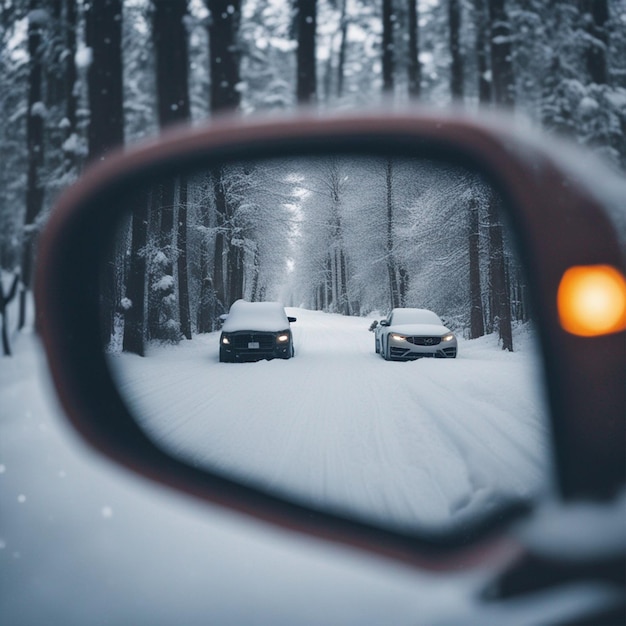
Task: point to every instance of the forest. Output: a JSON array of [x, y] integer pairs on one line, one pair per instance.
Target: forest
[[83, 77], [340, 234]]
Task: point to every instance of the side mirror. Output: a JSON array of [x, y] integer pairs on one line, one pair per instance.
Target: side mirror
[[384, 323], [559, 220], [292, 319]]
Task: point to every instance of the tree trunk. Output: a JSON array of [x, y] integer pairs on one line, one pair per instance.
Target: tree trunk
[[70, 156], [306, 22], [182, 265], [456, 65], [596, 16], [218, 258], [343, 44], [224, 54], [224, 95], [501, 54], [35, 147], [501, 300], [345, 301], [205, 315], [388, 47], [477, 328], [56, 45], [154, 271], [5, 299], [254, 287], [414, 65], [394, 292], [167, 311], [235, 274], [103, 30], [135, 316], [482, 52], [172, 62]]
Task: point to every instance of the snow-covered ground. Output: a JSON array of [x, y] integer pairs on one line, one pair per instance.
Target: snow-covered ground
[[83, 542], [429, 443]]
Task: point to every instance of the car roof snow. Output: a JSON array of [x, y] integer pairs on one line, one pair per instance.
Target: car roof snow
[[259, 316]]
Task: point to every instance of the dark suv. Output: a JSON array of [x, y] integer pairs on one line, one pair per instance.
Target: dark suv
[[253, 331]]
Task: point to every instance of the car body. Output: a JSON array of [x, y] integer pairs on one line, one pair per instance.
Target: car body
[[253, 331], [408, 334]]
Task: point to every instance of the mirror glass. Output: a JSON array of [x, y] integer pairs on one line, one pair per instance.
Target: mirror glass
[[379, 359]]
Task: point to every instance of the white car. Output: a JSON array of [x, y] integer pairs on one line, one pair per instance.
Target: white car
[[407, 334]]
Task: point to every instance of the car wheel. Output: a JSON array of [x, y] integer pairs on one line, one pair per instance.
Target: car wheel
[[377, 346]]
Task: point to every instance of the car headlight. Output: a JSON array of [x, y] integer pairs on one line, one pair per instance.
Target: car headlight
[[282, 337], [225, 340], [448, 337], [398, 337]]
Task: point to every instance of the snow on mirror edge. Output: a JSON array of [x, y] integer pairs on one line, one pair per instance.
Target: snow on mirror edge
[[428, 444]]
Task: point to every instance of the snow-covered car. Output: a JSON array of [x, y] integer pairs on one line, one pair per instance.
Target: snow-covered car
[[253, 331], [407, 334]]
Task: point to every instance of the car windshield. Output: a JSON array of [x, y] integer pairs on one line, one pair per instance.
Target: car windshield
[[261, 316], [414, 316]]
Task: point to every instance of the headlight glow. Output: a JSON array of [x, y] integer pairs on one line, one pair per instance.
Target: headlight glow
[[448, 337], [225, 340], [398, 337], [282, 338]]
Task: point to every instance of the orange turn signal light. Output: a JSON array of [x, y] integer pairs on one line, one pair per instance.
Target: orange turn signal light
[[591, 300]]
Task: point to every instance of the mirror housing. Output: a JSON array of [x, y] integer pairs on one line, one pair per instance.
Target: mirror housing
[[559, 221]]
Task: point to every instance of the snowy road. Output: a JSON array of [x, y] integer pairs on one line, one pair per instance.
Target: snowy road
[[426, 443], [83, 542]]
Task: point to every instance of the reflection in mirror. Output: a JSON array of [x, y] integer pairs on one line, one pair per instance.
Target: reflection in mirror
[[359, 421]]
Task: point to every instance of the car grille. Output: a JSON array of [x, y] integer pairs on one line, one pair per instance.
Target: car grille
[[424, 341], [407, 355], [266, 341], [401, 353]]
